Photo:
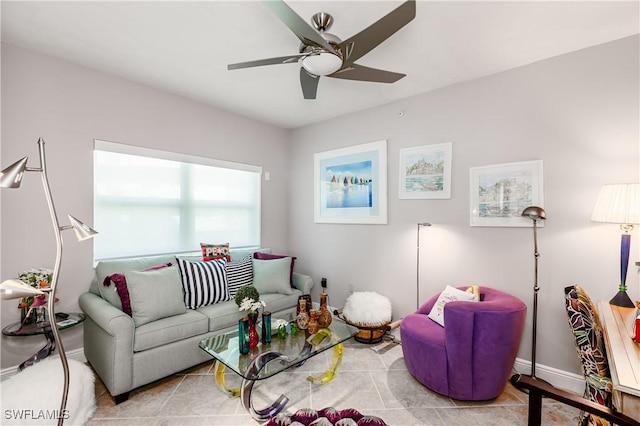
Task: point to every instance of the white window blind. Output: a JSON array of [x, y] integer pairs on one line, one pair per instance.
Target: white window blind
[[150, 202]]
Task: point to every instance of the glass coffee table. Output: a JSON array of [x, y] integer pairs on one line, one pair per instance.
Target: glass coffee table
[[267, 360]]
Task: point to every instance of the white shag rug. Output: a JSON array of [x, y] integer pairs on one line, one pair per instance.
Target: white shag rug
[[33, 396], [367, 307]]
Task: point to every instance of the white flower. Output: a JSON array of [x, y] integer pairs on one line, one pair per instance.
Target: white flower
[[248, 304]]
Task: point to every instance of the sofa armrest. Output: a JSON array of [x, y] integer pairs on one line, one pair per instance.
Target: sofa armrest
[[304, 283], [105, 315], [108, 342]]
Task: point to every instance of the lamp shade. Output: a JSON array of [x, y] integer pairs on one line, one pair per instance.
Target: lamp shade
[[534, 213], [83, 232], [15, 289], [11, 177], [618, 203]]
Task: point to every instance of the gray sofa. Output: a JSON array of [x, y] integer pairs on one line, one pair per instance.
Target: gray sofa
[[127, 354]]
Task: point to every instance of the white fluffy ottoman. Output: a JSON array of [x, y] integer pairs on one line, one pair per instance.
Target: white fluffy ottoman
[[370, 312], [33, 396]]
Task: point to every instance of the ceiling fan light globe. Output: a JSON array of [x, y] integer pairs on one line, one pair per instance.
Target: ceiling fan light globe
[[322, 64]]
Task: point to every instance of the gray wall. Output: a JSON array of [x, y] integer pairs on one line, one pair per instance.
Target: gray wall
[[68, 106], [577, 112]]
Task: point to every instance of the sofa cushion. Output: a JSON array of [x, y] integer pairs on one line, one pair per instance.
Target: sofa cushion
[[272, 276], [106, 268], [215, 251], [170, 329], [239, 273], [154, 294], [204, 283], [270, 256]]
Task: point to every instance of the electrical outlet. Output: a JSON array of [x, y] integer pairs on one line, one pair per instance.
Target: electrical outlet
[[350, 285], [323, 282]]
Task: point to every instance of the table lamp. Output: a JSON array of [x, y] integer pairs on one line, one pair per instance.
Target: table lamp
[[620, 203]]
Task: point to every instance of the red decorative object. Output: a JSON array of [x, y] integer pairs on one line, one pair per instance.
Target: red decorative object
[[254, 338]]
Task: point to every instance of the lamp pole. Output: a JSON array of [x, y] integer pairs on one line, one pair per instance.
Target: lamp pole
[[421, 224], [534, 213]]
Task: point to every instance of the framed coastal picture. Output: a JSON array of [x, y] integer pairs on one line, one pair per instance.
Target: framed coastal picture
[[499, 193], [425, 172], [350, 184]]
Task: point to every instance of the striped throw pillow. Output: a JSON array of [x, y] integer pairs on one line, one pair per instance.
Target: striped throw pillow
[[239, 273], [204, 283]]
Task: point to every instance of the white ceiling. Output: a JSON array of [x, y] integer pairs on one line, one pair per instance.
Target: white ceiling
[[184, 47]]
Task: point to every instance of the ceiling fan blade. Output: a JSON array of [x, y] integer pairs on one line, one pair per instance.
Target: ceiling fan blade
[[309, 83], [359, 72], [305, 32], [366, 40], [271, 61]]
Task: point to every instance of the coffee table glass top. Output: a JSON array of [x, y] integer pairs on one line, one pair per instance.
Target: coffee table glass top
[[295, 349]]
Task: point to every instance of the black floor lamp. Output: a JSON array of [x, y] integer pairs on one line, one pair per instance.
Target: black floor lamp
[[535, 213]]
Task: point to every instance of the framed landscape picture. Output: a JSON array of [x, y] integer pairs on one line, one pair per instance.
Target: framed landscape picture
[[499, 193], [425, 172], [350, 184]]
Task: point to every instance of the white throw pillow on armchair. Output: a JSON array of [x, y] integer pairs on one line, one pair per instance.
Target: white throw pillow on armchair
[[448, 294]]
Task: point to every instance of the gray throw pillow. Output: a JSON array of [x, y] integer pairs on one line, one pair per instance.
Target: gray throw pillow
[[272, 276], [155, 294]]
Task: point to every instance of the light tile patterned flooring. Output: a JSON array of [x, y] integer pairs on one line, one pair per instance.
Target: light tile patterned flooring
[[372, 379]]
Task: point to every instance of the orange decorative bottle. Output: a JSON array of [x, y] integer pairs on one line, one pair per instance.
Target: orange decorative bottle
[[324, 315], [303, 316]]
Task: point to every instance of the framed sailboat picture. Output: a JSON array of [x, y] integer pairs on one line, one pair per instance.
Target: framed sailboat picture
[[350, 184]]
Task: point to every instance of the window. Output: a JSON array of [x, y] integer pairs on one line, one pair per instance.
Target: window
[[155, 202]]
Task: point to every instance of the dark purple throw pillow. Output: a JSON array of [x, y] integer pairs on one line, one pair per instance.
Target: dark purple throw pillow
[[268, 256], [121, 286]]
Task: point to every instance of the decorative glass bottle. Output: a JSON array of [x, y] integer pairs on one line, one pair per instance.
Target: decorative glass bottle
[[254, 338], [303, 316], [266, 327], [314, 326], [243, 335], [324, 315]]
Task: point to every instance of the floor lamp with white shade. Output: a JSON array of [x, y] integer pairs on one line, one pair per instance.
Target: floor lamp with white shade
[[11, 177]]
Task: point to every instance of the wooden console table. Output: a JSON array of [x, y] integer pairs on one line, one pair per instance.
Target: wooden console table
[[624, 357]]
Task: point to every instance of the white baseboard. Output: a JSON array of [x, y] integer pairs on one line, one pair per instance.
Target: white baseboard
[[561, 379], [76, 354]]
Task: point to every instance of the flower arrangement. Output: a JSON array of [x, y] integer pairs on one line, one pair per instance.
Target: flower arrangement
[[248, 299], [38, 278]]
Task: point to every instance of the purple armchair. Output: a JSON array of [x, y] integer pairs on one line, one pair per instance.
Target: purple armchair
[[472, 356]]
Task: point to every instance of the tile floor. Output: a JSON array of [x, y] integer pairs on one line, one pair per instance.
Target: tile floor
[[372, 379]]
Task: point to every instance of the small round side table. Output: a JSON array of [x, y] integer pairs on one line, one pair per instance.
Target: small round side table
[[18, 330]]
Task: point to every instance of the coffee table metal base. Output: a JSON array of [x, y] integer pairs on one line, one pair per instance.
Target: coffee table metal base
[[246, 387]]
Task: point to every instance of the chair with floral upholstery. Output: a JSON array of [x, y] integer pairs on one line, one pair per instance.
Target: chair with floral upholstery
[[587, 331]]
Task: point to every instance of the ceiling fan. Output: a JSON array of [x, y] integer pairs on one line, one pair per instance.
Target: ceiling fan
[[324, 54]]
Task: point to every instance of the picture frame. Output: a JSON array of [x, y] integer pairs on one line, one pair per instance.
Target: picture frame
[[499, 193], [350, 184], [425, 172]]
